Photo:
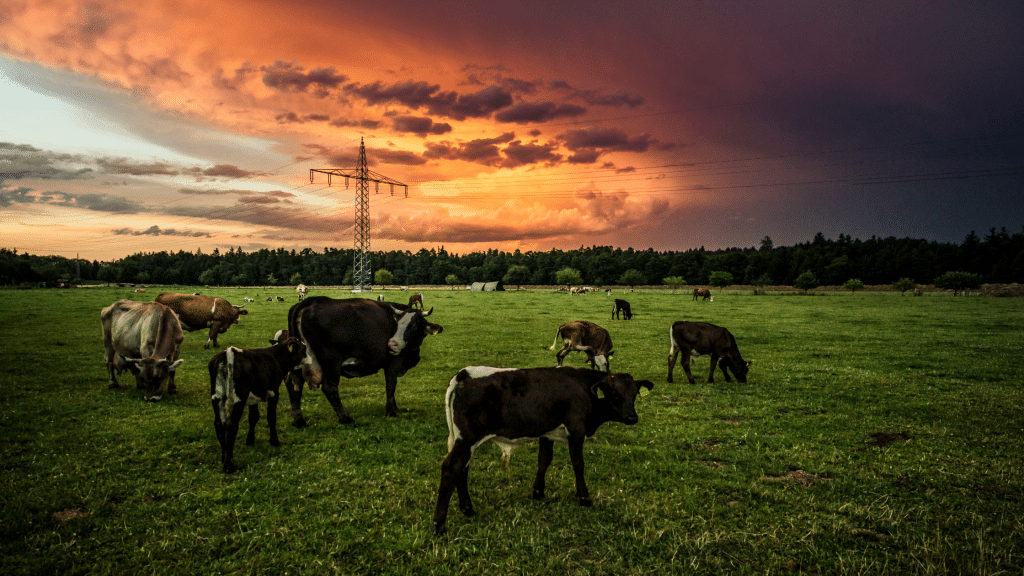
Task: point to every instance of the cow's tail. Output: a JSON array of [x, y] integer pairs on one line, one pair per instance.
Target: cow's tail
[[312, 372], [449, 413], [557, 335], [672, 346]]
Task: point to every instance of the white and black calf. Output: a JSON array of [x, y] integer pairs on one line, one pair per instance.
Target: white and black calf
[[240, 378], [508, 406]]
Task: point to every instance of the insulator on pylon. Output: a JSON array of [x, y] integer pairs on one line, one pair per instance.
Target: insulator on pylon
[[392, 189], [328, 178], [376, 187], [406, 191], [346, 182]]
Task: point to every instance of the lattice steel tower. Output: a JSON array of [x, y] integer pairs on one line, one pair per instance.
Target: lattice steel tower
[[362, 277]]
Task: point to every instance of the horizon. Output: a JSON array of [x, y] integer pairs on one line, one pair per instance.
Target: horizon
[[138, 128]]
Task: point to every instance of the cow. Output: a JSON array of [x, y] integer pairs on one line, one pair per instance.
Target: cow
[[144, 337], [416, 299], [248, 299], [301, 289], [576, 290], [703, 294], [240, 378], [279, 298], [508, 406], [586, 337], [198, 312], [695, 338], [621, 306], [353, 338], [140, 289], [270, 298]]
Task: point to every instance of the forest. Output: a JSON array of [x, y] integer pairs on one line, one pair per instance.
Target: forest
[[997, 257]]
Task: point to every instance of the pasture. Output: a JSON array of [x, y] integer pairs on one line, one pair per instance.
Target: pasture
[[877, 434]]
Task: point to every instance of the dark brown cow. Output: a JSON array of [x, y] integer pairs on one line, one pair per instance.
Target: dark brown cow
[[552, 404], [245, 377], [587, 337], [199, 312], [416, 299], [702, 338], [144, 337], [352, 338], [703, 294]]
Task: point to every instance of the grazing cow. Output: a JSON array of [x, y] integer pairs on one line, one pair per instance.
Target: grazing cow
[[140, 289], [198, 312], [508, 406], [703, 294], [240, 378], [416, 299], [144, 337], [695, 338], [577, 290], [247, 299], [301, 290], [279, 298], [352, 338], [587, 337], [621, 306]]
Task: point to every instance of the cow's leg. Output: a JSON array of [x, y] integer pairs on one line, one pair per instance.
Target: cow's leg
[[171, 388], [218, 425], [330, 389], [212, 339], [293, 382], [452, 475], [254, 418], [561, 354], [723, 363], [576, 455], [272, 400], [544, 455], [672, 355], [390, 383], [230, 433], [686, 366], [714, 364]]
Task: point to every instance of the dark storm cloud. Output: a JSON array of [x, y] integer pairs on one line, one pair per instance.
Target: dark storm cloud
[[596, 97], [536, 112], [131, 168], [415, 95], [290, 77], [481, 151], [365, 123], [293, 118], [94, 202], [227, 171], [15, 196], [155, 230], [402, 157], [22, 161], [519, 154], [419, 125], [274, 195]]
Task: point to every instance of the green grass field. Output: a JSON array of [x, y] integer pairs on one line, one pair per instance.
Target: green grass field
[[876, 435]]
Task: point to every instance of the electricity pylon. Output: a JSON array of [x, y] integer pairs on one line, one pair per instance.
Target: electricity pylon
[[362, 277]]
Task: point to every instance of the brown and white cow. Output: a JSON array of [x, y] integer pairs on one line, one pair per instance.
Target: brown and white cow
[[144, 337], [587, 337], [416, 299], [240, 378], [301, 290], [703, 294], [199, 312], [352, 338], [567, 405], [696, 338]]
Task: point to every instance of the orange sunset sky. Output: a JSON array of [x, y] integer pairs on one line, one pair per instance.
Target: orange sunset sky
[[163, 125]]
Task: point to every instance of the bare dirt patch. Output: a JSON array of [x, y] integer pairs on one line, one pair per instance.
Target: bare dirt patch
[[881, 439], [797, 477], [63, 516]]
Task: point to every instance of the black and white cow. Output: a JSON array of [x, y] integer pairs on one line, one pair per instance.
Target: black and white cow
[[240, 378], [621, 306], [352, 338], [145, 338], [508, 406]]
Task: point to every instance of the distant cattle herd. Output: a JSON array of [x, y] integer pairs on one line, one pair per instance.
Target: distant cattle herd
[[327, 339]]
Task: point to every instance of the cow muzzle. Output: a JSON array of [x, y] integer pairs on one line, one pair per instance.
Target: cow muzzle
[[394, 347]]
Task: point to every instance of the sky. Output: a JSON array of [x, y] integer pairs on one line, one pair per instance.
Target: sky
[[190, 125]]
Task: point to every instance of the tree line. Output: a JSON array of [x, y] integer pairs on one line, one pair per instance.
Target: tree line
[[997, 257]]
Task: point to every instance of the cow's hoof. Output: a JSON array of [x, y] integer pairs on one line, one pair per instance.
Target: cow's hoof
[[669, 380], [250, 441], [299, 422], [275, 442], [346, 419], [468, 511], [113, 385], [439, 529], [538, 494], [230, 468], [586, 502]]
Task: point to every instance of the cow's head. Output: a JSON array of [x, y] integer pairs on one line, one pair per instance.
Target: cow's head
[[153, 374], [739, 369], [619, 391], [603, 362], [412, 329]]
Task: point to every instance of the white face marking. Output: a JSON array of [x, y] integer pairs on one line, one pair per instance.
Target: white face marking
[[397, 342], [601, 362]]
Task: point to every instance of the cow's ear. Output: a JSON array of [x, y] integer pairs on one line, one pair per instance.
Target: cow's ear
[[598, 390], [434, 329], [609, 355], [749, 363], [646, 384]]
